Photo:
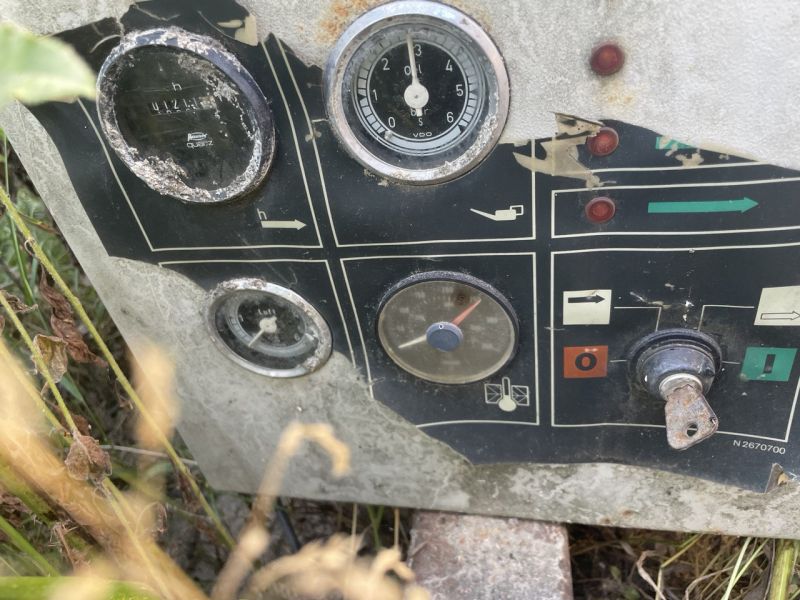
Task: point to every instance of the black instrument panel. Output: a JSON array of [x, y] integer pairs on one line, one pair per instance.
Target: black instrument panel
[[710, 245]]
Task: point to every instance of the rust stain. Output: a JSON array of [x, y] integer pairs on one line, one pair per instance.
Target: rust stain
[[616, 91], [340, 13], [620, 99]]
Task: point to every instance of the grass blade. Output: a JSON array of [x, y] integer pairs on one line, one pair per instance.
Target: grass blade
[[25, 547], [114, 365], [785, 559]]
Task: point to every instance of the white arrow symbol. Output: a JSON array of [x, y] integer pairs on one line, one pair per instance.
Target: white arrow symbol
[[283, 224], [776, 316]]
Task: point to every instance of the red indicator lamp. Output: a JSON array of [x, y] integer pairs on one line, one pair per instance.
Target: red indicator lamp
[[600, 209], [607, 59], [604, 142]]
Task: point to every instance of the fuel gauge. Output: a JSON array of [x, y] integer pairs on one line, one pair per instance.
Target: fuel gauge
[[447, 327]]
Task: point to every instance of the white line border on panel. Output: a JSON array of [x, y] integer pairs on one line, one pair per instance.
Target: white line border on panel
[[680, 167], [532, 255], [282, 260], [705, 306], [554, 193], [294, 138], [116, 176], [382, 244], [311, 133], [198, 248], [532, 237], [552, 339], [658, 315]]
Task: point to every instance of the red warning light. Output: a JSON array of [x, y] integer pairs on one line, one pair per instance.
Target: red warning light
[[600, 209], [604, 142], [607, 59]]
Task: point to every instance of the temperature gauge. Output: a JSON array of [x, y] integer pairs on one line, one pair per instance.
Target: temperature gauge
[[417, 91], [447, 327], [268, 329]]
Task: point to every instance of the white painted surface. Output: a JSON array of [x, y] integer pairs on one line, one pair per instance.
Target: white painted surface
[[721, 73]]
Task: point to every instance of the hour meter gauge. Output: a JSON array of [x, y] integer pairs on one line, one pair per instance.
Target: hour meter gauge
[[447, 327], [184, 116], [417, 91], [268, 328]]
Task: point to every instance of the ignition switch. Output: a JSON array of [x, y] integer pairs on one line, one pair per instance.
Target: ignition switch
[[679, 367]]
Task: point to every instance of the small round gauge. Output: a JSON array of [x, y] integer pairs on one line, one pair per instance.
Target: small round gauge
[[417, 91], [184, 116], [447, 327], [268, 329]]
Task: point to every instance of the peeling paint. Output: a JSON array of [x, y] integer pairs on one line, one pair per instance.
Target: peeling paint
[[643, 300], [562, 150], [692, 160], [245, 30], [340, 13]]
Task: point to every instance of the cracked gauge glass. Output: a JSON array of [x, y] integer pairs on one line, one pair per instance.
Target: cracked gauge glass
[[447, 327], [268, 329], [183, 114], [417, 91]]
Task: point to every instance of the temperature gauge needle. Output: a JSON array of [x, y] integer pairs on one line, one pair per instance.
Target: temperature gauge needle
[[413, 342], [466, 312], [457, 321], [416, 95]]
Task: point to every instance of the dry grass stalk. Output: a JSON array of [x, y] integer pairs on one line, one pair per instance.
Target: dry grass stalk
[[254, 538], [154, 375], [91, 583], [321, 569], [126, 525], [117, 522], [630, 563], [74, 302]]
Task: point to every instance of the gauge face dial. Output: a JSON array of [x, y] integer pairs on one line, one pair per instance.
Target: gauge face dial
[[184, 116], [268, 328], [447, 327], [447, 74], [417, 91]]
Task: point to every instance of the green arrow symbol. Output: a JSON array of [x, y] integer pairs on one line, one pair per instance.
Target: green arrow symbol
[[702, 206]]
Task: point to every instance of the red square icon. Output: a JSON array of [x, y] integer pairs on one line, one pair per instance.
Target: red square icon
[[581, 362]]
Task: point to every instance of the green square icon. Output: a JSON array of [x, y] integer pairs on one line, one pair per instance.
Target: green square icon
[[768, 364]]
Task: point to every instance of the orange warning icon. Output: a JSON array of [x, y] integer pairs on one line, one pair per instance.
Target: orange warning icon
[[582, 362]]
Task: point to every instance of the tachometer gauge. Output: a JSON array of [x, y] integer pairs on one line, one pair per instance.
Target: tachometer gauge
[[417, 91], [268, 329], [185, 116], [447, 327]]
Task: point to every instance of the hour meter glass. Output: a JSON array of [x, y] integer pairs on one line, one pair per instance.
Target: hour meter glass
[[184, 116]]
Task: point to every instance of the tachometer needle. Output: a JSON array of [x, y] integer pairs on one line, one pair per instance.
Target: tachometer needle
[[416, 95], [457, 321]]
